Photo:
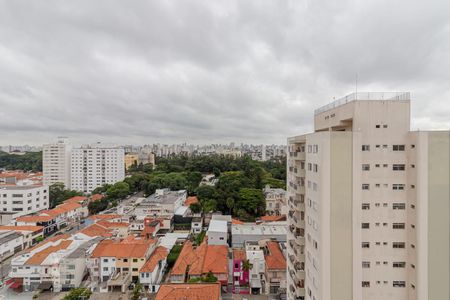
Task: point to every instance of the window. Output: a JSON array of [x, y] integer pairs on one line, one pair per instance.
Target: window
[[366, 264], [365, 186], [366, 167], [365, 225], [135, 260], [398, 245], [365, 147], [365, 206], [398, 167], [398, 264], [366, 284], [398, 205], [385, 126], [398, 147], [377, 126], [315, 168], [398, 284], [377, 165], [398, 187], [398, 226], [365, 245]]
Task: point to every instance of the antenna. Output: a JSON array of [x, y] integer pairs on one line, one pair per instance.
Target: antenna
[[356, 87]]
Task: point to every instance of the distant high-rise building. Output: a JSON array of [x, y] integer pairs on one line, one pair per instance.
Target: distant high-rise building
[[95, 165], [56, 162], [369, 204]]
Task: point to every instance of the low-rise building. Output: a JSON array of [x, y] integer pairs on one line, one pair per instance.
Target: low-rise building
[[197, 224], [114, 264], [198, 291], [23, 200], [251, 232], [217, 233], [194, 263], [31, 234], [275, 268], [11, 242], [275, 201], [255, 256], [162, 203], [241, 270], [43, 266], [151, 274], [47, 222]]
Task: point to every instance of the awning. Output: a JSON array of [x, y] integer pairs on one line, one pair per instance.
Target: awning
[[45, 286], [255, 283], [14, 283]]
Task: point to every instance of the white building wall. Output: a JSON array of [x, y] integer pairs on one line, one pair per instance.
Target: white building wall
[[23, 200], [56, 162]]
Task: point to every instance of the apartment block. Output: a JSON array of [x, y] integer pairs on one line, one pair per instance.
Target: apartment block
[[56, 162], [95, 165], [369, 204]]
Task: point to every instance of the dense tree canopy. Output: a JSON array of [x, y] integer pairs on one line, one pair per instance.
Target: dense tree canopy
[[30, 161], [58, 193]]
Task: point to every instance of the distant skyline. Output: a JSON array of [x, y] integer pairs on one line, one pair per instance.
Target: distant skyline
[[206, 72]]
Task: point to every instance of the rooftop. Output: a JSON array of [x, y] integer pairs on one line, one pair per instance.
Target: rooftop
[[163, 196], [275, 259], [218, 226], [124, 249], [8, 236], [159, 254], [195, 291], [274, 228], [364, 96]]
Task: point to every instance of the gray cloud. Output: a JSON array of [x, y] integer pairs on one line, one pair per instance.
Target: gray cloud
[[211, 71]]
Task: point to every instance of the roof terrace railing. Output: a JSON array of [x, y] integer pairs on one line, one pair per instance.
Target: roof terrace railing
[[364, 96]]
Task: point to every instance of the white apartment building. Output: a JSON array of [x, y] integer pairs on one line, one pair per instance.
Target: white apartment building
[[23, 200], [369, 204], [56, 162], [95, 165]]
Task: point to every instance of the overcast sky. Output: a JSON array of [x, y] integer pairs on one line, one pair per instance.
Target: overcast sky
[[211, 71]]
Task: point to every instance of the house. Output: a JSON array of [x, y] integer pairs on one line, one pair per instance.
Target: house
[[47, 222], [162, 203], [118, 229], [31, 234], [11, 242], [151, 227], [217, 232], [197, 224], [150, 275], [241, 271], [197, 291], [195, 262], [191, 200], [275, 267], [115, 264], [276, 203], [255, 256], [82, 200], [44, 266], [96, 197]]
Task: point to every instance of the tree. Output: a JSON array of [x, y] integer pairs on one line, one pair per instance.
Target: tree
[[209, 277], [209, 205], [252, 200], [118, 190], [195, 208], [58, 193], [78, 294], [230, 204], [137, 291], [246, 265]]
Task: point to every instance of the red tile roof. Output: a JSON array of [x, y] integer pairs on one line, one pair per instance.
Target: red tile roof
[[34, 219], [96, 230], [236, 222], [124, 249], [189, 291], [40, 256], [191, 200], [275, 259], [76, 199], [159, 254], [203, 259], [273, 218], [239, 254], [22, 228], [105, 217], [108, 224], [97, 197]]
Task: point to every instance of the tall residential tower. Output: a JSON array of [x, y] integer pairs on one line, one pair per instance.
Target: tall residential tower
[[56, 162], [369, 204]]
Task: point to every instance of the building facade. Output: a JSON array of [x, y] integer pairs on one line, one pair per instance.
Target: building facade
[[275, 201], [23, 200], [95, 165], [56, 162], [368, 204]]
